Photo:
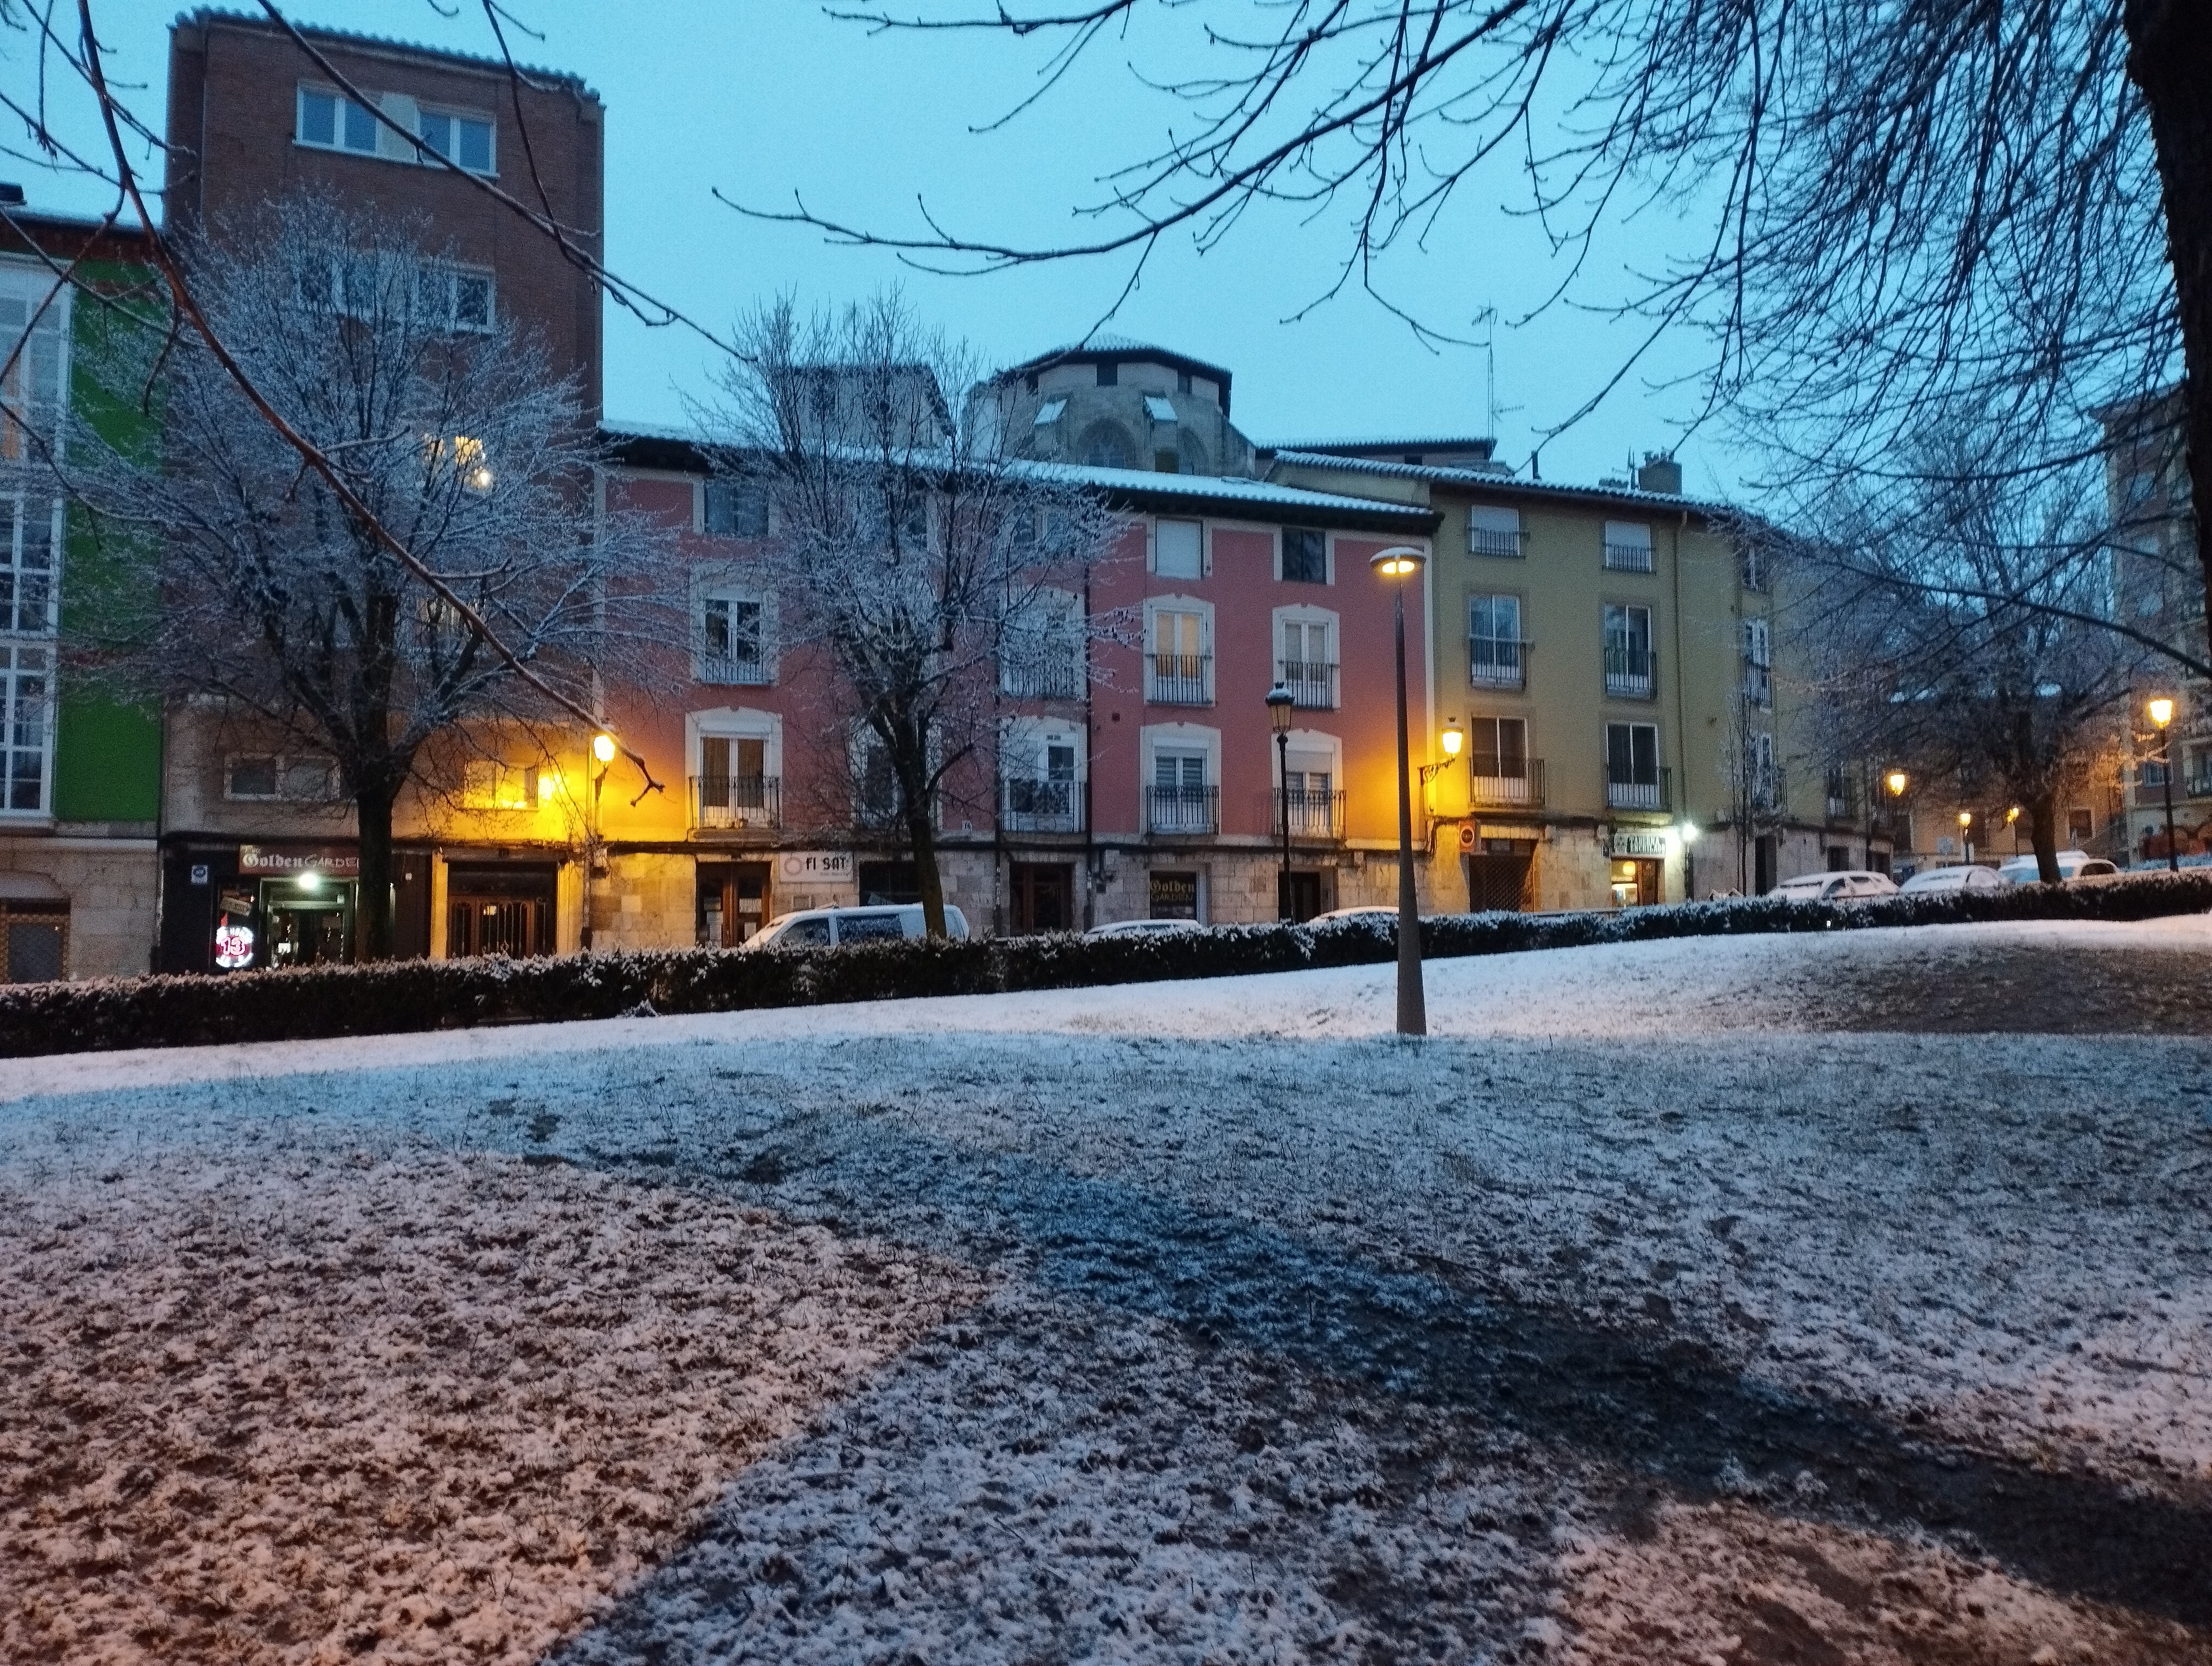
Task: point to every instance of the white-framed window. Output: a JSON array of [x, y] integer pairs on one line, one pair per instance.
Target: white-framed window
[[1633, 777], [1183, 774], [30, 543], [274, 778], [1497, 653], [1628, 546], [455, 297], [1305, 655], [737, 768], [27, 728], [1631, 662], [1179, 548], [1758, 663], [492, 784], [1765, 780], [1309, 779], [1041, 655], [328, 120], [1040, 777], [373, 286], [734, 508], [33, 396], [735, 626], [1302, 556], [461, 137], [1492, 530], [1178, 651]]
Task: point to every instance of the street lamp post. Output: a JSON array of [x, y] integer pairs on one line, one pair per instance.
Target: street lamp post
[[1280, 703], [603, 752], [2162, 714], [1397, 564], [1966, 832]]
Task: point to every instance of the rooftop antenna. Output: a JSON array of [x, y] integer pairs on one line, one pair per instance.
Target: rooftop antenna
[[1488, 318]]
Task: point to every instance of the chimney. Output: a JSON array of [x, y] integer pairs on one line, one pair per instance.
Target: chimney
[[1659, 473], [11, 196]]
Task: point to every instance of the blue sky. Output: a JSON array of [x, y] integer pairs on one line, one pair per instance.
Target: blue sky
[[763, 99]]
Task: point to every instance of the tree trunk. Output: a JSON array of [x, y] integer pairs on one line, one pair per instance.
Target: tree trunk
[[2043, 828], [923, 836], [2170, 61], [371, 919]]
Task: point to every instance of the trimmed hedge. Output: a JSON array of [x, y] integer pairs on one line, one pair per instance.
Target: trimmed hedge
[[322, 1001]]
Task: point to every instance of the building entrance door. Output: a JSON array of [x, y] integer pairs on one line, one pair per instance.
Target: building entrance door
[[1043, 897], [1636, 883], [732, 902], [505, 910], [1300, 896], [307, 930]]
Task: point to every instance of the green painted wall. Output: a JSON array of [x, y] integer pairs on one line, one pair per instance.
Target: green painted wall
[[107, 751]]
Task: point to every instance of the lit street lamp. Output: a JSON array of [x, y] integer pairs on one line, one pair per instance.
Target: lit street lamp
[[602, 749], [1280, 703], [2162, 714], [1966, 832], [1397, 564]]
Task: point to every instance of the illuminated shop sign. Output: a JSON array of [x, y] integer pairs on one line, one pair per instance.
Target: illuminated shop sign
[[280, 860], [234, 945]]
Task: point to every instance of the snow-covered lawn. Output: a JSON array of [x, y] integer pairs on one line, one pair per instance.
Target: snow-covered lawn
[[1718, 1300]]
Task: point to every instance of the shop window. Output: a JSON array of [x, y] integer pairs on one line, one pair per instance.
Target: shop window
[[34, 942]]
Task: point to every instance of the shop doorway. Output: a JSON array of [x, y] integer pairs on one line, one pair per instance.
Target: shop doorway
[[505, 910], [1498, 876], [307, 921], [1298, 895], [1636, 883], [1043, 897], [732, 902]]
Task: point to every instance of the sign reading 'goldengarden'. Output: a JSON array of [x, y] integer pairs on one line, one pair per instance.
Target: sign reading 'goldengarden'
[[333, 861]]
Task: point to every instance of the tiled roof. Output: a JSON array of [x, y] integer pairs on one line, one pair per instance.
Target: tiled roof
[[1499, 483], [319, 33]]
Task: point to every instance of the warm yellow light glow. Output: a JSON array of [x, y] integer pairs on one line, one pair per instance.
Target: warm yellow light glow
[[1398, 561], [603, 748], [2161, 711], [1897, 783], [2012, 815], [1966, 818], [549, 783], [1689, 832], [1455, 738], [311, 880]]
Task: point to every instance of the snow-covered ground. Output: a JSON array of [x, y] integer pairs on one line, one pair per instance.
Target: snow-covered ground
[[1666, 1304]]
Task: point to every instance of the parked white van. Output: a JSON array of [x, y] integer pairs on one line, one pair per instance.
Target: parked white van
[[827, 927]]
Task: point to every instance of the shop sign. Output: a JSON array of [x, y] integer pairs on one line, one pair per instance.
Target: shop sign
[[818, 866], [233, 945], [1641, 844], [332, 861]]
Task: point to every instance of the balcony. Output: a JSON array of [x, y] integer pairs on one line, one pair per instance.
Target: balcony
[[1313, 814], [1182, 809], [1759, 686], [1056, 677], [1041, 806], [1842, 801], [1493, 664], [750, 670], [1770, 789], [1632, 673], [1312, 683], [734, 803], [1655, 795], [1483, 542], [1181, 680], [1627, 557], [1509, 783]]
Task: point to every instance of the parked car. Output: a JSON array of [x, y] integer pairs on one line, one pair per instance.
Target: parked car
[[1960, 875], [1145, 928], [828, 927], [1365, 911], [1850, 885], [2072, 864]]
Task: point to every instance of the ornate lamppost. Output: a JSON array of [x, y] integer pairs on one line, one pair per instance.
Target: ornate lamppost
[[1397, 564], [1281, 702]]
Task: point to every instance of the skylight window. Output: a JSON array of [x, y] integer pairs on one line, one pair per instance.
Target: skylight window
[[1159, 410], [1049, 413]]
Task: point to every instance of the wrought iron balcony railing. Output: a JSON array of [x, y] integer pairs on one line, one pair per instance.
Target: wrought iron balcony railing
[[1312, 683], [735, 801], [1628, 557], [1181, 680], [1657, 796], [751, 670], [1506, 782], [1313, 814], [1493, 664], [1053, 677], [1041, 806], [1486, 541], [1632, 673], [1182, 809]]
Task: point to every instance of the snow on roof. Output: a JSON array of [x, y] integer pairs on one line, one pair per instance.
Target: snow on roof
[[204, 15], [1233, 488], [1444, 476]]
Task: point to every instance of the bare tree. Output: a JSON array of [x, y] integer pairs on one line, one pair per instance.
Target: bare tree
[[909, 545], [1966, 639], [1890, 208], [275, 592]]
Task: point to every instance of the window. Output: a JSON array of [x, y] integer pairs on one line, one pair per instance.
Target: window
[[26, 725], [1181, 801], [454, 297], [328, 121], [28, 525], [32, 394], [1042, 655], [2151, 774], [1309, 794], [33, 941], [1754, 567], [1305, 555], [734, 788], [263, 776], [1758, 664], [1179, 667], [252, 778], [487, 784], [734, 640], [1109, 373], [1497, 748], [1496, 655], [1630, 663], [1182, 381], [1765, 782], [1041, 788], [1632, 776], [1178, 549], [1628, 546], [737, 508], [1048, 412], [1493, 531], [465, 140], [1308, 667], [1159, 410]]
